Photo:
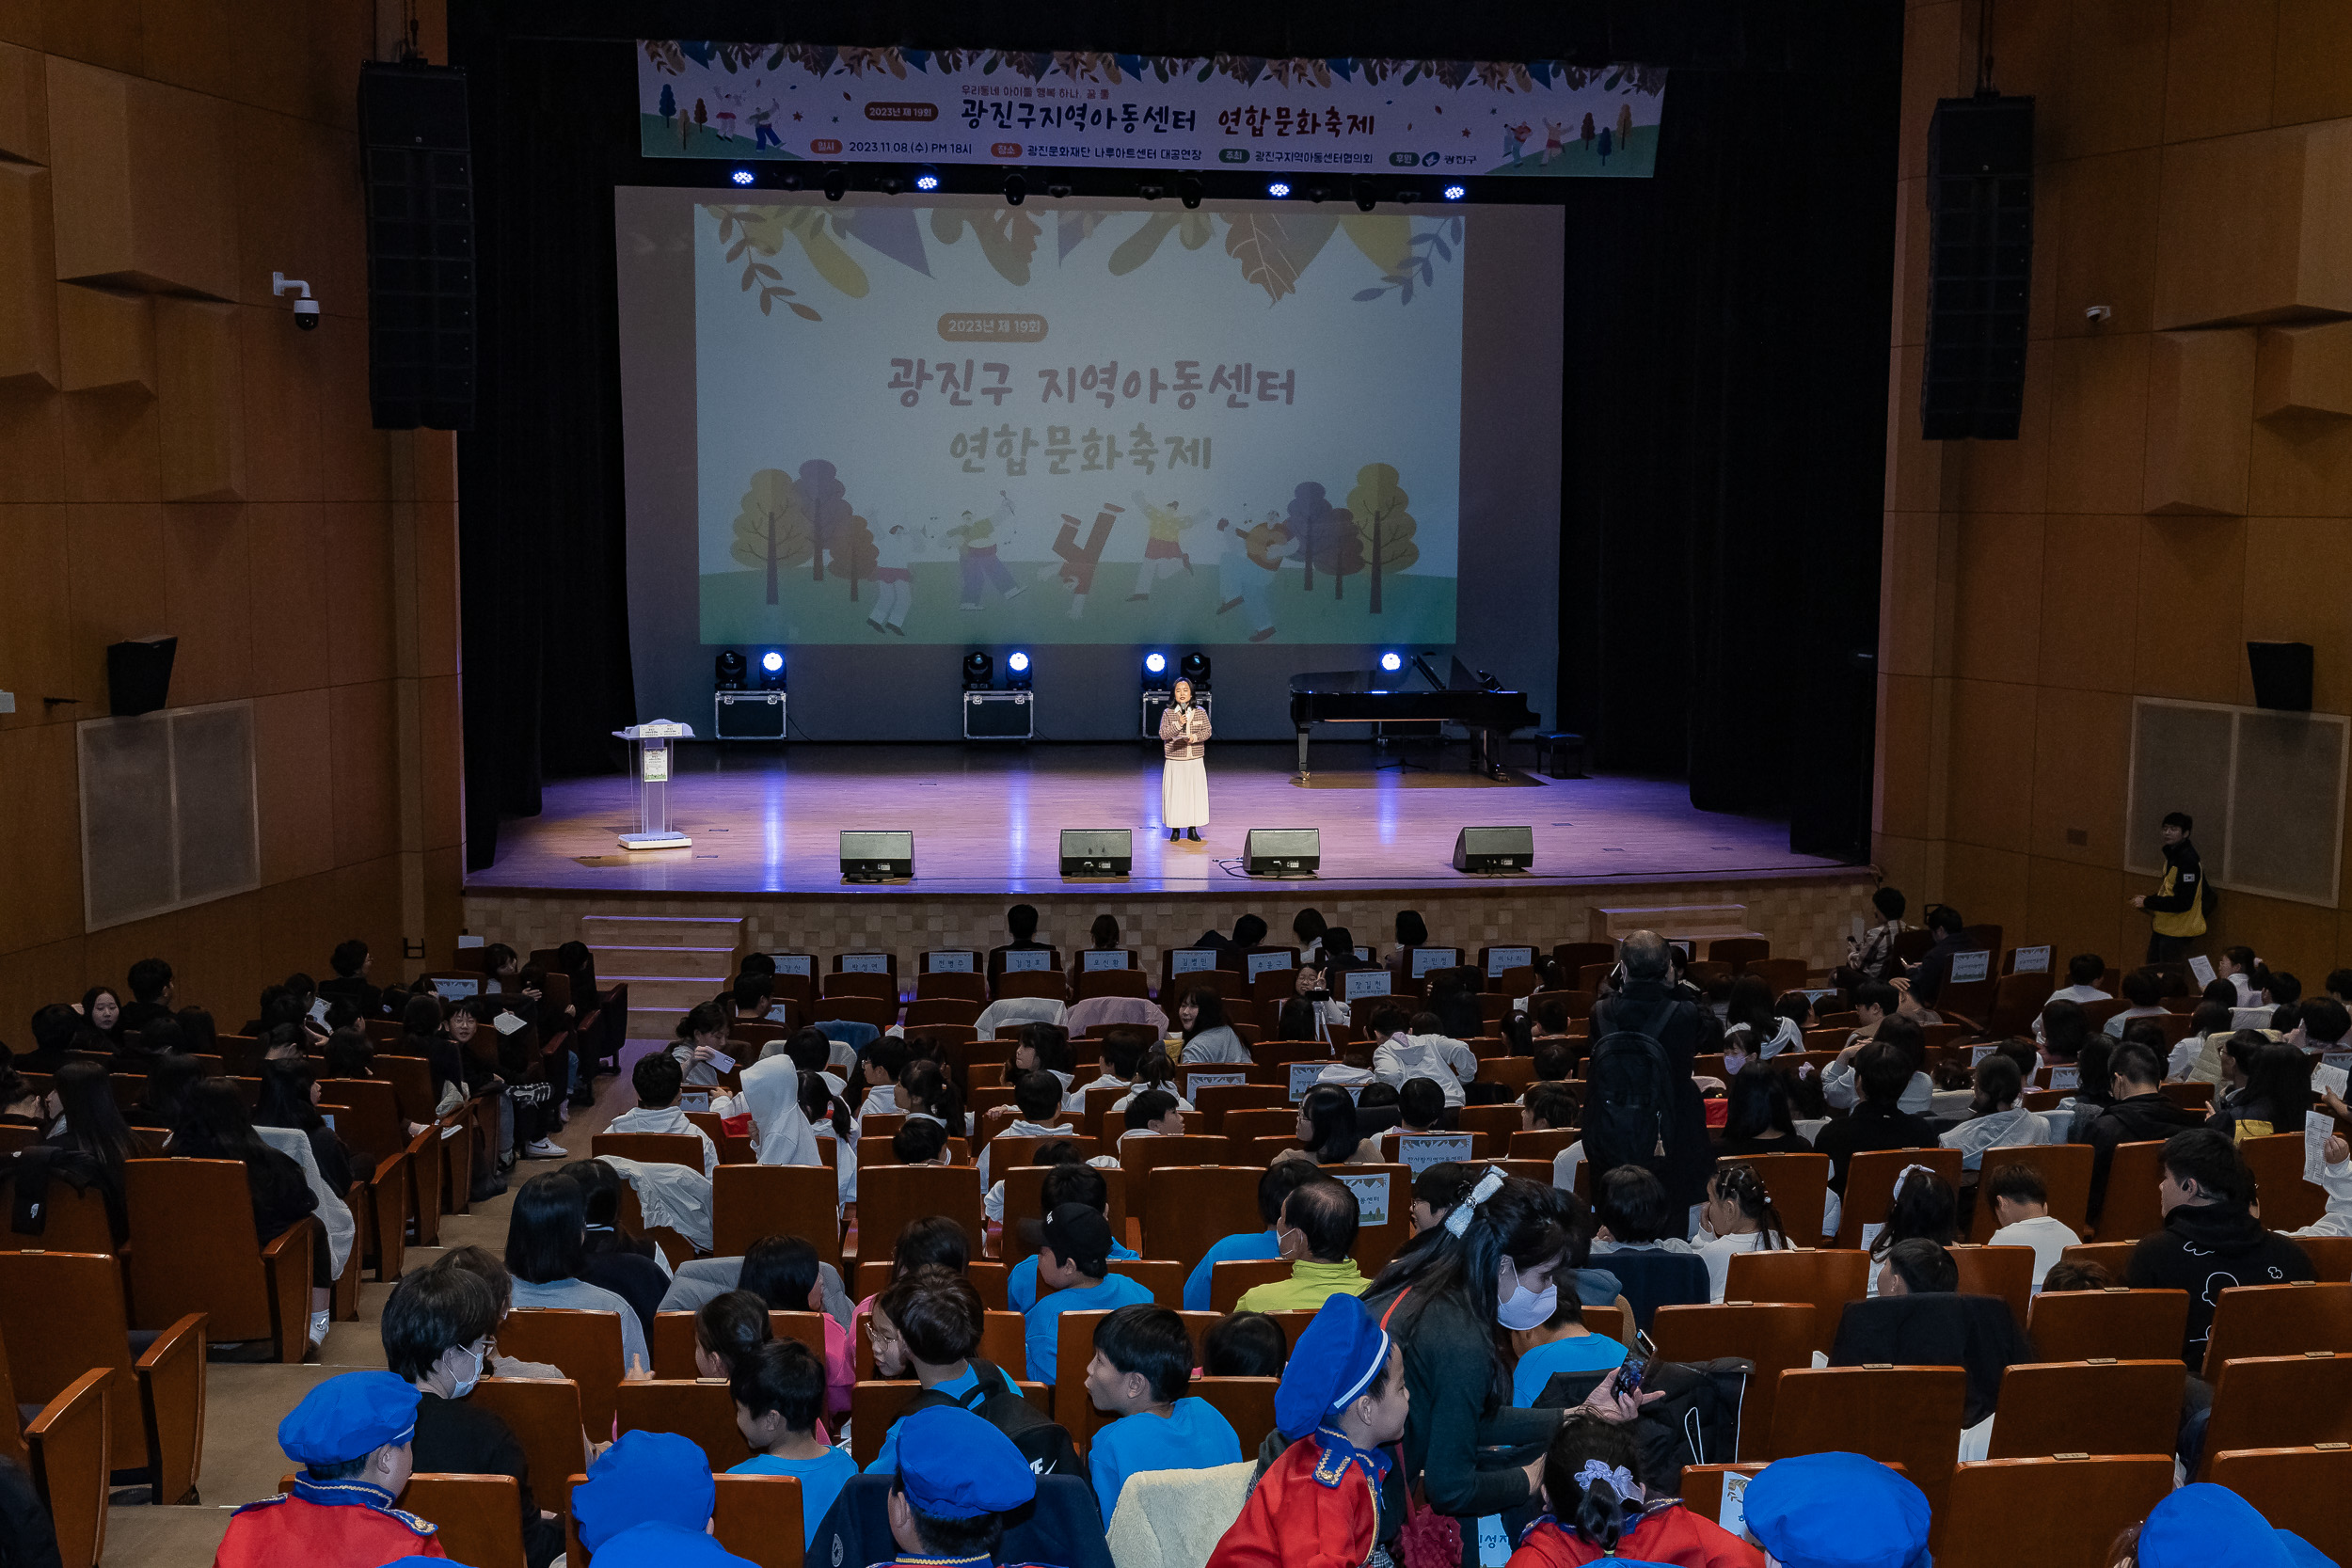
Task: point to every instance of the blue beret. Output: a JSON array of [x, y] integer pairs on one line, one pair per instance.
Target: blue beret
[[349, 1417], [1336, 1361], [2211, 1526], [659, 1546], [1837, 1510], [955, 1466], [656, 1477]]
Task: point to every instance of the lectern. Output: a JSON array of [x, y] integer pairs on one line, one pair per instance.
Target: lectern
[[652, 740]]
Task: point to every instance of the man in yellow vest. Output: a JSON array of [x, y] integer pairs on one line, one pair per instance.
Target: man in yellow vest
[[2177, 908]]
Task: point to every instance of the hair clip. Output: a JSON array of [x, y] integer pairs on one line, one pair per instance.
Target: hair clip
[[1488, 1184]]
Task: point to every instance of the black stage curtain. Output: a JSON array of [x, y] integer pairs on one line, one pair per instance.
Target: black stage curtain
[[1726, 366]]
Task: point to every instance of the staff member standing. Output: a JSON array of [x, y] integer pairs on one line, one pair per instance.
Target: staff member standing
[[1185, 778], [2177, 908]]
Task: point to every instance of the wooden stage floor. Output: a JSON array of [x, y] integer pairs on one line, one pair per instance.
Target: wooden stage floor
[[988, 820]]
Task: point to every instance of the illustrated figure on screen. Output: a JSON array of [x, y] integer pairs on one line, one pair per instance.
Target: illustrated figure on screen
[[764, 133], [1184, 774], [894, 578], [1555, 139], [1163, 553], [976, 553], [1077, 562], [1515, 142], [1247, 561]]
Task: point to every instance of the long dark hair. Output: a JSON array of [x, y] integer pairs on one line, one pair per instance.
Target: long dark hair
[[93, 1123], [1751, 1006], [1528, 1222], [547, 1232], [1924, 1205], [217, 1125], [927, 1086], [165, 1095], [89, 1028], [2277, 1077], [286, 1096], [1330, 1114], [1739, 1184], [1759, 1103], [1208, 1010], [819, 1105], [1592, 1509]]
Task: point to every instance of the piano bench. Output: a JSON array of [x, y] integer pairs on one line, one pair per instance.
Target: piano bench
[[1561, 756]]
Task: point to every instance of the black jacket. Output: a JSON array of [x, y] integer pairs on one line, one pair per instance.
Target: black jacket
[[1062, 1525], [2205, 1250], [281, 1194], [2142, 1118], [27, 1540], [1870, 1127], [1978, 1334], [1934, 967], [1686, 1030], [2189, 885], [460, 1437], [634, 1278]]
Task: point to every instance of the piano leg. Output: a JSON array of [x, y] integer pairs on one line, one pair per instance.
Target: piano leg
[[1302, 754]]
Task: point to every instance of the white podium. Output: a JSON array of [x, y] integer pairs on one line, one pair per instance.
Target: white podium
[[652, 740]]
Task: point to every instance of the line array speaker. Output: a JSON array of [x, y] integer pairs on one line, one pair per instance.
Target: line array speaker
[[419, 174], [1979, 267]]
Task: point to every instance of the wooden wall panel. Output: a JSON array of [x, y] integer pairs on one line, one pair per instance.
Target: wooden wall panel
[[196, 387], [2200, 402], [207, 566], [28, 306], [2304, 370], [294, 756], [144, 190], [106, 338], [2256, 228]]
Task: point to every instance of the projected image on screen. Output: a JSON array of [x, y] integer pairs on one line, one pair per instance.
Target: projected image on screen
[[969, 422]]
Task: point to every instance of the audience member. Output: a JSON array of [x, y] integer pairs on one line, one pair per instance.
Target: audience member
[[1415, 1047], [2276, 1094], [1869, 956], [1274, 1189], [1141, 1368], [1560, 1344], [1599, 1508], [1070, 1181], [1244, 1344], [2204, 1526], [2084, 972], [216, 1126], [2139, 1113], [1836, 1511], [1209, 1039], [1753, 1026], [1738, 1216], [2144, 989], [352, 1435], [2210, 1235], [659, 1079], [1760, 1120], [702, 1035], [101, 1028], [2066, 1275], [1317, 1234], [786, 1273], [1995, 1118], [1923, 1207], [547, 1253], [2022, 1217], [150, 994], [779, 1392], [1883, 1073], [1420, 1106], [1924, 981], [959, 1480], [1327, 1133], [1840, 1079], [1072, 1275], [926, 1326], [648, 1499], [729, 1328]]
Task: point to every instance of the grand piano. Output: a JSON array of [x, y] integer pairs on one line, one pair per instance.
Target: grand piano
[[1352, 697]]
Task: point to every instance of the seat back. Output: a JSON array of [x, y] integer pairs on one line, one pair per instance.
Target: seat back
[[2307, 1490], [758, 1518], [1653, 1279], [586, 1345], [193, 1249], [2006, 1272], [1828, 1277], [367, 1113], [2054, 1407], [1050, 983], [1140, 1157], [2128, 1209], [696, 1408], [1247, 1402], [2288, 1201], [2065, 1170], [1870, 1184], [890, 1196], [1543, 1143], [841, 983], [673, 1342], [1230, 1282], [751, 1201], [1073, 1348], [1190, 1209], [1909, 1414], [1777, 1336], [67, 1451], [651, 1148], [70, 1221], [881, 1012], [543, 1412], [931, 1012], [2278, 1400], [2017, 1001], [2114, 1257], [2129, 1326], [2277, 1320], [2074, 1508], [478, 1518], [62, 1313], [1798, 1185], [1216, 1100], [1111, 982]]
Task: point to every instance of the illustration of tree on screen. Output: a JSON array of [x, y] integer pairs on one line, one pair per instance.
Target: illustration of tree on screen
[[1337, 550], [1308, 517], [772, 530], [669, 104], [827, 503], [1383, 527], [854, 555]]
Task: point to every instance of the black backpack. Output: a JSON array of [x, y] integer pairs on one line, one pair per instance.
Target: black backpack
[[1041, 1440], [1629, 1094], [1696, 1424]]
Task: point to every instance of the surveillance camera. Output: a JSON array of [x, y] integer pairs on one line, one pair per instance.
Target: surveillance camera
[[305, 309], [2096, 314], [307, 314]]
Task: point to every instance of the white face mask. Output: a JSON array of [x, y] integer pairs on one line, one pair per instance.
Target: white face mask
[[1524, 1308], [464, 1385]]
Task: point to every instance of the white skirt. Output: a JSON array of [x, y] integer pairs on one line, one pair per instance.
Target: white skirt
[[1184, 794]]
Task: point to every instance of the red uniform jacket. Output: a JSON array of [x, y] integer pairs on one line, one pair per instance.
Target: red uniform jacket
[[1673, 1535], [1310, 1510], [324, 1524]]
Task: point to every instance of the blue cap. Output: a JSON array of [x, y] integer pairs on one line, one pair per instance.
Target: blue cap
[[955, 1466], [647, 1477], [1338, 1357], [659, 1546], [1837, 1510], [349, 1417], [2211, 1526]]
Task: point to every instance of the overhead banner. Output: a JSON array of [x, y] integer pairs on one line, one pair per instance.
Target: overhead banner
[[1543, 118]]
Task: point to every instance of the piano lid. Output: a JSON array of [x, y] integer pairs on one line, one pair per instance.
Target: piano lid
[[1332, 680]]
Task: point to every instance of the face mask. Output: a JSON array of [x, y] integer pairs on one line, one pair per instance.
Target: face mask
[[465, 1385], [1524, 1308]]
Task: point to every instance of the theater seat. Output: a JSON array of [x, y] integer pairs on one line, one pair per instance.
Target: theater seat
[[758, 1519], [70, 1460], [193, 1250], [478, 1518], [2003, 1511]]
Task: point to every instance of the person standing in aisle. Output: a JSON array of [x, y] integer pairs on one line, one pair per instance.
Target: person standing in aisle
[[1185, 778], [2176, 909]]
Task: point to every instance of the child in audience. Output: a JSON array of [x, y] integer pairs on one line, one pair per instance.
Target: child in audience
[[1561, 1343], [2021, 1212], [1547, 1106], [2084, 972], [926, 1326], [728, 1331], [921, 1141], [1353, 1070], [1923, 1206], [1420, 1106], [1156, 1072], [1915, 1266], [2144, 989], [1738, 1216], [1122, 1047], [1420, 1047], [1836, 1511], [352, 1436], [1074, 1274], [659, 1079], [1996, 1120], [1244, 1344], [1152, 1114], [1143, 1365], [2336, 1176], [1209, 1039], [960, 1477], [1070, 1181], [1598, 1507], [1273, 1187], [879, 1064], [648, 1499], [1037, 1100], [1633, 1213], [778, 1393], [2064, 1275], [785, 1273], [702, 1035]]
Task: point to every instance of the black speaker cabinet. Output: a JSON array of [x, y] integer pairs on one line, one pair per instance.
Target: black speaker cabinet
[[1485, 851], [876, 857], [2283, 676], [1097, 851], [139, 675], [746, 715], [417, 168], [1282, 852], [1979, 267]]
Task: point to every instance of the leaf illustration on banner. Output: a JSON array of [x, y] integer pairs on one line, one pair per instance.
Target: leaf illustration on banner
[[666, 56], [1008, 237], [832, 264], [891, 230], [1385, 238], [1273, 252], [1199, 229], [1071, 227], [1140, 246], [1384, 528], [772, 530]]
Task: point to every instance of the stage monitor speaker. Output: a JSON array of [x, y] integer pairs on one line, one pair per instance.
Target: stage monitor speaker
[[139, 675], [1282, 852], [2283, 676], [870, 856], [1097, 851], [1979, 267], [1487, 851], [418, 170]]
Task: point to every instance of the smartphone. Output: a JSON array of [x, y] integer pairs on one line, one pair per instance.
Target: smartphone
[[1629, 1376]]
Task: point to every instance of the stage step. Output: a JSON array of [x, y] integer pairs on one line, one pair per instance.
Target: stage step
[[1699, 921], [714, 964], [661, 930], [670, 962]]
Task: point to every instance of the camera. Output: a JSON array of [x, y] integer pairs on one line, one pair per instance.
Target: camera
[[305, 309], [306, 313]]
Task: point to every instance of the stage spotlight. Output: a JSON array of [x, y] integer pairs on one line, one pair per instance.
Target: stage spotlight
[[1367, 196], [741, 177], [1455, 193], [1196, 670], [726, 674], [1188, 190], [1407, 195], [1391, 662], [1318, 191], [1057, 191], [1154, 668], [927, 178], [1017, 671], [1016, 190], [1277, 189], [891, 185], [792, 182], [771, 670], [836, 182], [980, 672], [1151, 192]]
